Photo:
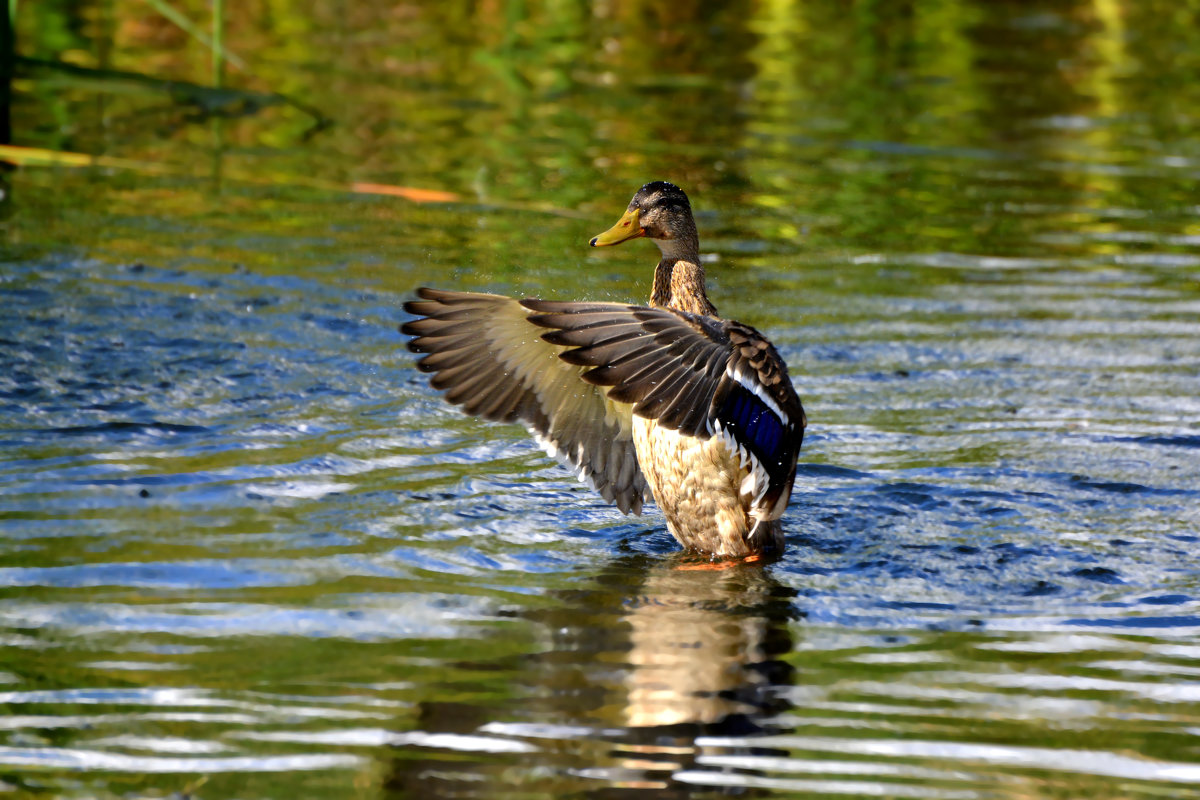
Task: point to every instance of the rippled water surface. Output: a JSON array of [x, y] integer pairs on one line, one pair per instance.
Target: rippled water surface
[[247, 552]]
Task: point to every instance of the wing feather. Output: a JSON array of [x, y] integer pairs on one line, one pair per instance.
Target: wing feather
[[661, 394], [612, 352], [504, 406], [592, 337], [488, 358], [635, 388]]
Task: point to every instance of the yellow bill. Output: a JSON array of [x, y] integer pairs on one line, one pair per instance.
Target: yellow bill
[[627, 228]]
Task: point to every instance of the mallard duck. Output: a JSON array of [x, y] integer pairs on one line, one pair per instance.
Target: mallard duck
[[667, 397]]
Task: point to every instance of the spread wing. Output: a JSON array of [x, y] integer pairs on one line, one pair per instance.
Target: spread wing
[[695, 374], [489, 359]]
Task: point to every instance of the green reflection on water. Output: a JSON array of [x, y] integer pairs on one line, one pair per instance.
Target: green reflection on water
[[815, 130]]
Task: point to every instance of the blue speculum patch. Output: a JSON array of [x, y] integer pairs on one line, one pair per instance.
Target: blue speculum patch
[[750, 421]]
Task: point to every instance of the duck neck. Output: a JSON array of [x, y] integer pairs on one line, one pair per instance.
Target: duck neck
[[679, 278]]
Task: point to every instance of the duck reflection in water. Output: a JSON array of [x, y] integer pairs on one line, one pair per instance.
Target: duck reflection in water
[[636, 669]]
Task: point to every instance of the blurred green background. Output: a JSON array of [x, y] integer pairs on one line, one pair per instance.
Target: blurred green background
[[861, 127]]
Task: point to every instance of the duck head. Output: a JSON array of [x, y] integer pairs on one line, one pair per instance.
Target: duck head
[[659, 211]]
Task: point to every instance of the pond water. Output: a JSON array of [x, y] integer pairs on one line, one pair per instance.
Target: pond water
[[247, 552]]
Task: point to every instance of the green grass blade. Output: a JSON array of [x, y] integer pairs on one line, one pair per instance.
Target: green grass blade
[[186, 24]]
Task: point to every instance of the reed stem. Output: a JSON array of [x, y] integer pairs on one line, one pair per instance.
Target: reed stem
[[218, 48]]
